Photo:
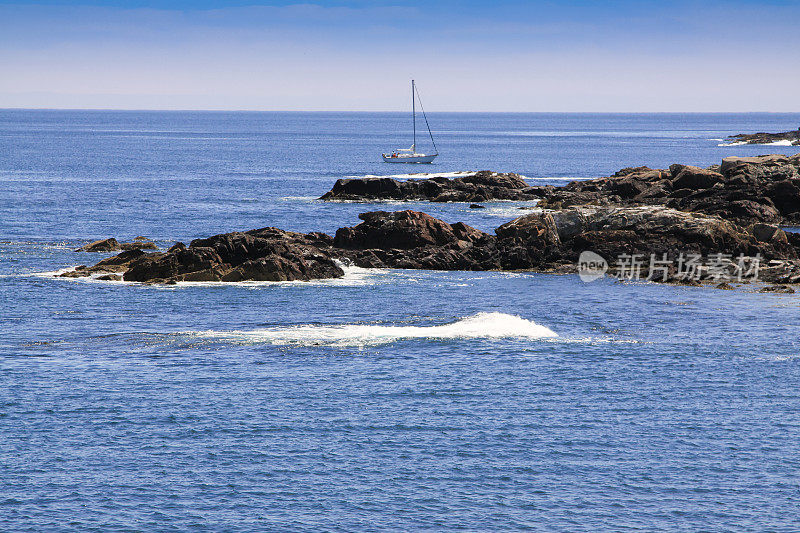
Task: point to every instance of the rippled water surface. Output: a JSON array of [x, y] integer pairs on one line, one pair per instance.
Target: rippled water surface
[[389, 399]]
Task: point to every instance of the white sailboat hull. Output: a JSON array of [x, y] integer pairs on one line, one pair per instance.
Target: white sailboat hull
[[411, 158]]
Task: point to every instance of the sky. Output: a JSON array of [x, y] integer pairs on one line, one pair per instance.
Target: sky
[[612, 56]]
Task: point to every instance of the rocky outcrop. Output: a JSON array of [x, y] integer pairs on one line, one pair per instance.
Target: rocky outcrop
[[791, 138], [410, 239], [728, 210], [112, 245], [267, 254], [549, 240], [745, 190], [103, 245], [477, 187]]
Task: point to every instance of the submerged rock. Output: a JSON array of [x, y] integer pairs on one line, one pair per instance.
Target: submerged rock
[[784, 289], [79, 272]]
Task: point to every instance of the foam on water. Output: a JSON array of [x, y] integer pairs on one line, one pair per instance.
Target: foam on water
[[784, 142], [419, 175], [480, 325]]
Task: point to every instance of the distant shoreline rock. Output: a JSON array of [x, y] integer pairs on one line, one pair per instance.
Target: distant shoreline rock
[[791, 138], [473, 188], [743, 189]]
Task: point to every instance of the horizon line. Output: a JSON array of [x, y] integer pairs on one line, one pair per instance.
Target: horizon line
[[224, 110]]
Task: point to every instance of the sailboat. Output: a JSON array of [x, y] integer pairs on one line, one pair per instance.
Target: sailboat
[[410, 155]]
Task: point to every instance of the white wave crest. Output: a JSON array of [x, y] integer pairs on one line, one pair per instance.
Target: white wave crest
[[481, 325], [425, 175], [784, 142], [418, 175]]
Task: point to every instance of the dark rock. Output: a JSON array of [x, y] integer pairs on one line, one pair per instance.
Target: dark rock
[[769, 233], [139, 245], [689, 177], [783, 289], [104, 245], [357, 188], [169, 265], [110, 277], [725, 286], [112, 245], [117, 263], [742, 189], [77, 273], [476, 187], [263, 254], [767, 138], [764, 167], [542, 241], [477, 206], [402, 230]]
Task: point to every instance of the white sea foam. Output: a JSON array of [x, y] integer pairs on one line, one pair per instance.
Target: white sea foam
[[735, 143], [510, 211], [299, 198], [481, 325], [557, 178], [419, 175], [92, 277], [784, 142], [426, 175]]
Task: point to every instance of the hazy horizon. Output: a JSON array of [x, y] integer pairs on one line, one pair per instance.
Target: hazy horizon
[[399, 112], [513, 56]]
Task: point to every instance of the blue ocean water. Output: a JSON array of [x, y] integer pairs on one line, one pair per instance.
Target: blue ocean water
[[390, 399]]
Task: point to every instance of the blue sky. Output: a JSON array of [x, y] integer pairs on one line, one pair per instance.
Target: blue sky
[[359, 55]]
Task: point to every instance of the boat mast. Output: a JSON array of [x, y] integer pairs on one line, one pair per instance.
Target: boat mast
[[422, 108], [414, 116]]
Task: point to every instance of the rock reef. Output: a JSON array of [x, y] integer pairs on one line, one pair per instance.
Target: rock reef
[[544, 241], [792, 138], [476, 187], [728, 214]]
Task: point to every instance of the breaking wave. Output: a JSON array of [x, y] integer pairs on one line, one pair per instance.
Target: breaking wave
[[480, 325], [784, 142]]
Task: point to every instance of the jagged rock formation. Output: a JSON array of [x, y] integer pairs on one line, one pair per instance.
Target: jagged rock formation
[[741, 189], [478, 187], [544, 241]]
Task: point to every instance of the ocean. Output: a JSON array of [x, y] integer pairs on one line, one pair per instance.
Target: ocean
[[389, 400]]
